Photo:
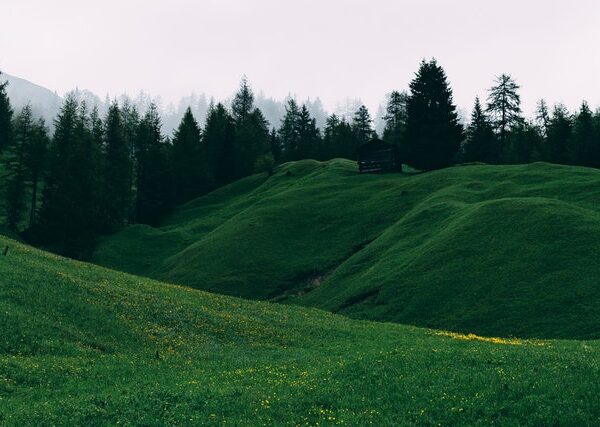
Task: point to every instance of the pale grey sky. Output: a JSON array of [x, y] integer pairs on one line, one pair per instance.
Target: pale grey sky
[[328, 48]]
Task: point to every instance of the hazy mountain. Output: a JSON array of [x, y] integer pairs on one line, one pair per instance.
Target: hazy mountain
[[44, 102]]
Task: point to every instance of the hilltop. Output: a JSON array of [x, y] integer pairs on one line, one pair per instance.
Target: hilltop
[[495, 250], [81, 344]]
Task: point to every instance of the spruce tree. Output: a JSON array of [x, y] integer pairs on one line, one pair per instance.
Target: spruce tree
[[560, 127], [131, 119], [433, 134], [219, 139], [585, 140], [15, 165], [289, 132], [362, 125], [275, 145], [504, 106], [251, 131], [35, 155], [542, 118], [6, 116], [243, 102], [153, 172], [395, 119], [328, 148], [338, 139], [480, 144], [308, 135], [188, 163], [116, 191], [57, 202], [69, 214]]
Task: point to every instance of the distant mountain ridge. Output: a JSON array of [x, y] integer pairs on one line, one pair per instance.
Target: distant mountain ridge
[[44, 102]]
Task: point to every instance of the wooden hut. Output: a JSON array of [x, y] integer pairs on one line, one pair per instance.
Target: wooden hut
[[378, 156]]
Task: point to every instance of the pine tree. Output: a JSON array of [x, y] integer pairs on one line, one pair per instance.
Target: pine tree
[[251, 143], [504, 106], [289, 132], [219, 139], [15, 184], [131, 119], [6, 116], [328, 148], [35, 162], [395, 119], [542, 118], [559, 134], [585, 141], [480, 144], [338, 139], [275, 145], [70, 197], [308, 135], [190, 174], [153, 172], [243, 102], [251, 131], [362, 125], [57, 202], [433, 134], [116, 191]]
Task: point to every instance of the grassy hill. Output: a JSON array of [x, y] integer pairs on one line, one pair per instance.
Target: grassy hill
[[79, 343], [495, 250]]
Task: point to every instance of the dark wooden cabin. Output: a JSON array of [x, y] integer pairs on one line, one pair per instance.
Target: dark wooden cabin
[[378, 156]]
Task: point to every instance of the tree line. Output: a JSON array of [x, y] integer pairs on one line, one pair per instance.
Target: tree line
[[96, 174]]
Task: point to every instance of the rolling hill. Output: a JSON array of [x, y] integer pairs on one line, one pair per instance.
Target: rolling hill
[[494, 250], [84, 345]]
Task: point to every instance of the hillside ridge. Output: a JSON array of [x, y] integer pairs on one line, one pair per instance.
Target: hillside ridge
[[320, 234]]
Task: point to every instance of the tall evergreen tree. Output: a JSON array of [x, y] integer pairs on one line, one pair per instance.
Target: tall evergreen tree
[[275, 145], [328, 148], [116, 192], [433, 132], [338, 139], [308, 135], [560, 127], [585, 140], [70, 196], [190, 169], [130, 121], [362, 126], [219, 139], [6, 116], [504, 106], [542, 118], [243, 102], [289, 132], [153, 172], [395, 119], [15, 165], [35, 162], [251, 131], [480, 144]]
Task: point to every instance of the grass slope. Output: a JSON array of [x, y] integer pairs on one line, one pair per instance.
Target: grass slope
[[78, 346], [496, 250]]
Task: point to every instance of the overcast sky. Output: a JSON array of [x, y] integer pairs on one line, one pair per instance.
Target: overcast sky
[[328, 48]]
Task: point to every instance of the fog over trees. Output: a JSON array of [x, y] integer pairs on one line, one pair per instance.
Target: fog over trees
[[99, 165]]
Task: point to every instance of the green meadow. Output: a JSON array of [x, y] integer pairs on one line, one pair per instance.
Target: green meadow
[[493, 250], [81, 344]]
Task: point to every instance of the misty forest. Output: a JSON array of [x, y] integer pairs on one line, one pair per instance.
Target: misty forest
[[95, 174]]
